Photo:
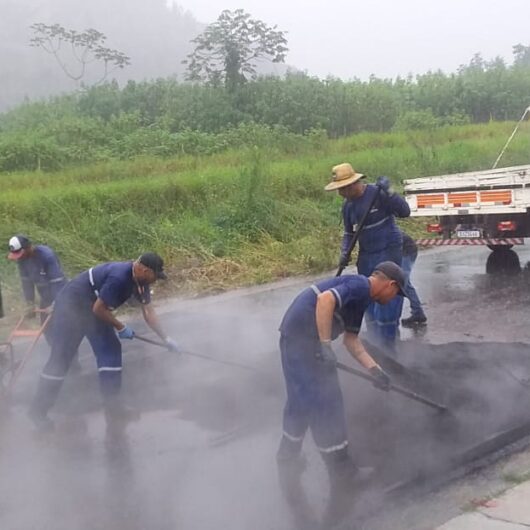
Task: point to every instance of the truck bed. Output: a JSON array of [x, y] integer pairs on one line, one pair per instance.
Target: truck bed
[[493, 191]]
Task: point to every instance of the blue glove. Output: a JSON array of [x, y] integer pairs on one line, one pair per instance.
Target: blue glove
[[383, 183], [126, 332], [326, 354], [172, 345]]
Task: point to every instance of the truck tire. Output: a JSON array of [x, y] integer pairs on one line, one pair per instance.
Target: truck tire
[[498, 247], [503, 261]]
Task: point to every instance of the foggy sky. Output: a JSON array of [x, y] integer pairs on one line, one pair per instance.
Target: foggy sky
[[348, 38]]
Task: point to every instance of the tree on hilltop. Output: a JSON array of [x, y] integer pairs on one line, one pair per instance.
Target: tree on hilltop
[[228, 49]]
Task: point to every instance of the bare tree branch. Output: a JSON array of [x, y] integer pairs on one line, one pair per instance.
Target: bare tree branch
[[86, 47]]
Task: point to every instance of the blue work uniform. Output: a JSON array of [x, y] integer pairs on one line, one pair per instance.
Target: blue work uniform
[[314, 398], [43, 272], [380, 240], [410, 253], [74, 319]]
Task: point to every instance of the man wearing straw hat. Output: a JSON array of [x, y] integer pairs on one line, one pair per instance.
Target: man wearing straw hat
[[379, 240]]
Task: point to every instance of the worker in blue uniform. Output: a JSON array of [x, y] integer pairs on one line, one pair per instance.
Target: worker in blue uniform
[[84, 309], [40, 269], [318, 315], [380, 240], [417, 314]]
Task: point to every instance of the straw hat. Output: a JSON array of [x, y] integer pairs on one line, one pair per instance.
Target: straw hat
[[343, 175]]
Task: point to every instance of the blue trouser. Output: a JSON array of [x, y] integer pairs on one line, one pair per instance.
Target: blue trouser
[[415, 304], [314, 398], [382, 321], [71, 322], [44, 302]]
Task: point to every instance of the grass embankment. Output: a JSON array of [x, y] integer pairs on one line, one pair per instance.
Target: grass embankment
[[237, 218]]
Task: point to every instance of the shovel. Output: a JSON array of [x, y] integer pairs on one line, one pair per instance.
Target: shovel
[[199, 355], [395, 388]]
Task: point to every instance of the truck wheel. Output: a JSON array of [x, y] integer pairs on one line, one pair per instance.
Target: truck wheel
[[503, 261], [499, 247]]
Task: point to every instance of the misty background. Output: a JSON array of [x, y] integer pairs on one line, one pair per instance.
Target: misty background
[[345, 39]]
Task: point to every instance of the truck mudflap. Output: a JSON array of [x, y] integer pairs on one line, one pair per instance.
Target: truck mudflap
[[434, 242]]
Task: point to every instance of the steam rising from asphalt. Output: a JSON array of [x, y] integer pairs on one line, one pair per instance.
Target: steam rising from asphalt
[[203, 453]]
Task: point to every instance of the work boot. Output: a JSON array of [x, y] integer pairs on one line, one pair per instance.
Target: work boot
[[289, 457], [414, 321], [347, 482], [343, 472], [348, 475], [40, 420], [42, 402], [119, 414]]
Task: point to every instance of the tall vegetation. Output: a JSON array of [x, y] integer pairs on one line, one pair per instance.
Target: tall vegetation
[[167, 118]]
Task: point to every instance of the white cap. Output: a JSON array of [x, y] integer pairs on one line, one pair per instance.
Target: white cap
[[16, 245]]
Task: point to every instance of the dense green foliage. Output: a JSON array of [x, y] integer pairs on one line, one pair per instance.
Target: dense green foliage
[[165, 118], [239, 217]]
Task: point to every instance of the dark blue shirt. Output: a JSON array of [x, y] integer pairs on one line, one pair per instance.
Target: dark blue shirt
[[380, 230], [42, 270], [352, 297], [112, 282]]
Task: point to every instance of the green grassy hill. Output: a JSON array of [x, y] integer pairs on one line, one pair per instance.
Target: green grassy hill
[[236, 218]]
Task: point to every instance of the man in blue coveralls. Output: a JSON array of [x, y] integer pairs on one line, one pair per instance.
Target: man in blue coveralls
[[380, 240], [417, 314], [317, 316], [40, 268], [84, 309]]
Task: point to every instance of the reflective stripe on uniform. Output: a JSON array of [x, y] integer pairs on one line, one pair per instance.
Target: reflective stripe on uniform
[[91, 279], [57, 280], [367, 227], [333, 448], [293, 438], [51, 377], [315, 289], [336, 315], [337, 295], [109, 369]]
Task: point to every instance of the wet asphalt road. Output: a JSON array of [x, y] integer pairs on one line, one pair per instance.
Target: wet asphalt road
[[202, 454]]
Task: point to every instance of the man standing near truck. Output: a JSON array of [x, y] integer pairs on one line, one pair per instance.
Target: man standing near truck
[[417, 314], [379, 240]]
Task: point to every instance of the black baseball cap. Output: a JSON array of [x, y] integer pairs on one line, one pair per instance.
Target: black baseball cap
[[155, 263], [393, 272]]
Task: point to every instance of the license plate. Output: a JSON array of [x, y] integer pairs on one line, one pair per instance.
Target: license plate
[[467, 233]]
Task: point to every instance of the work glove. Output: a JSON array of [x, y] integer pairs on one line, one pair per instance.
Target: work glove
[[126, 332], [344, 260], [381, 378], [172, 345], [326, 354], [383, 183]]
